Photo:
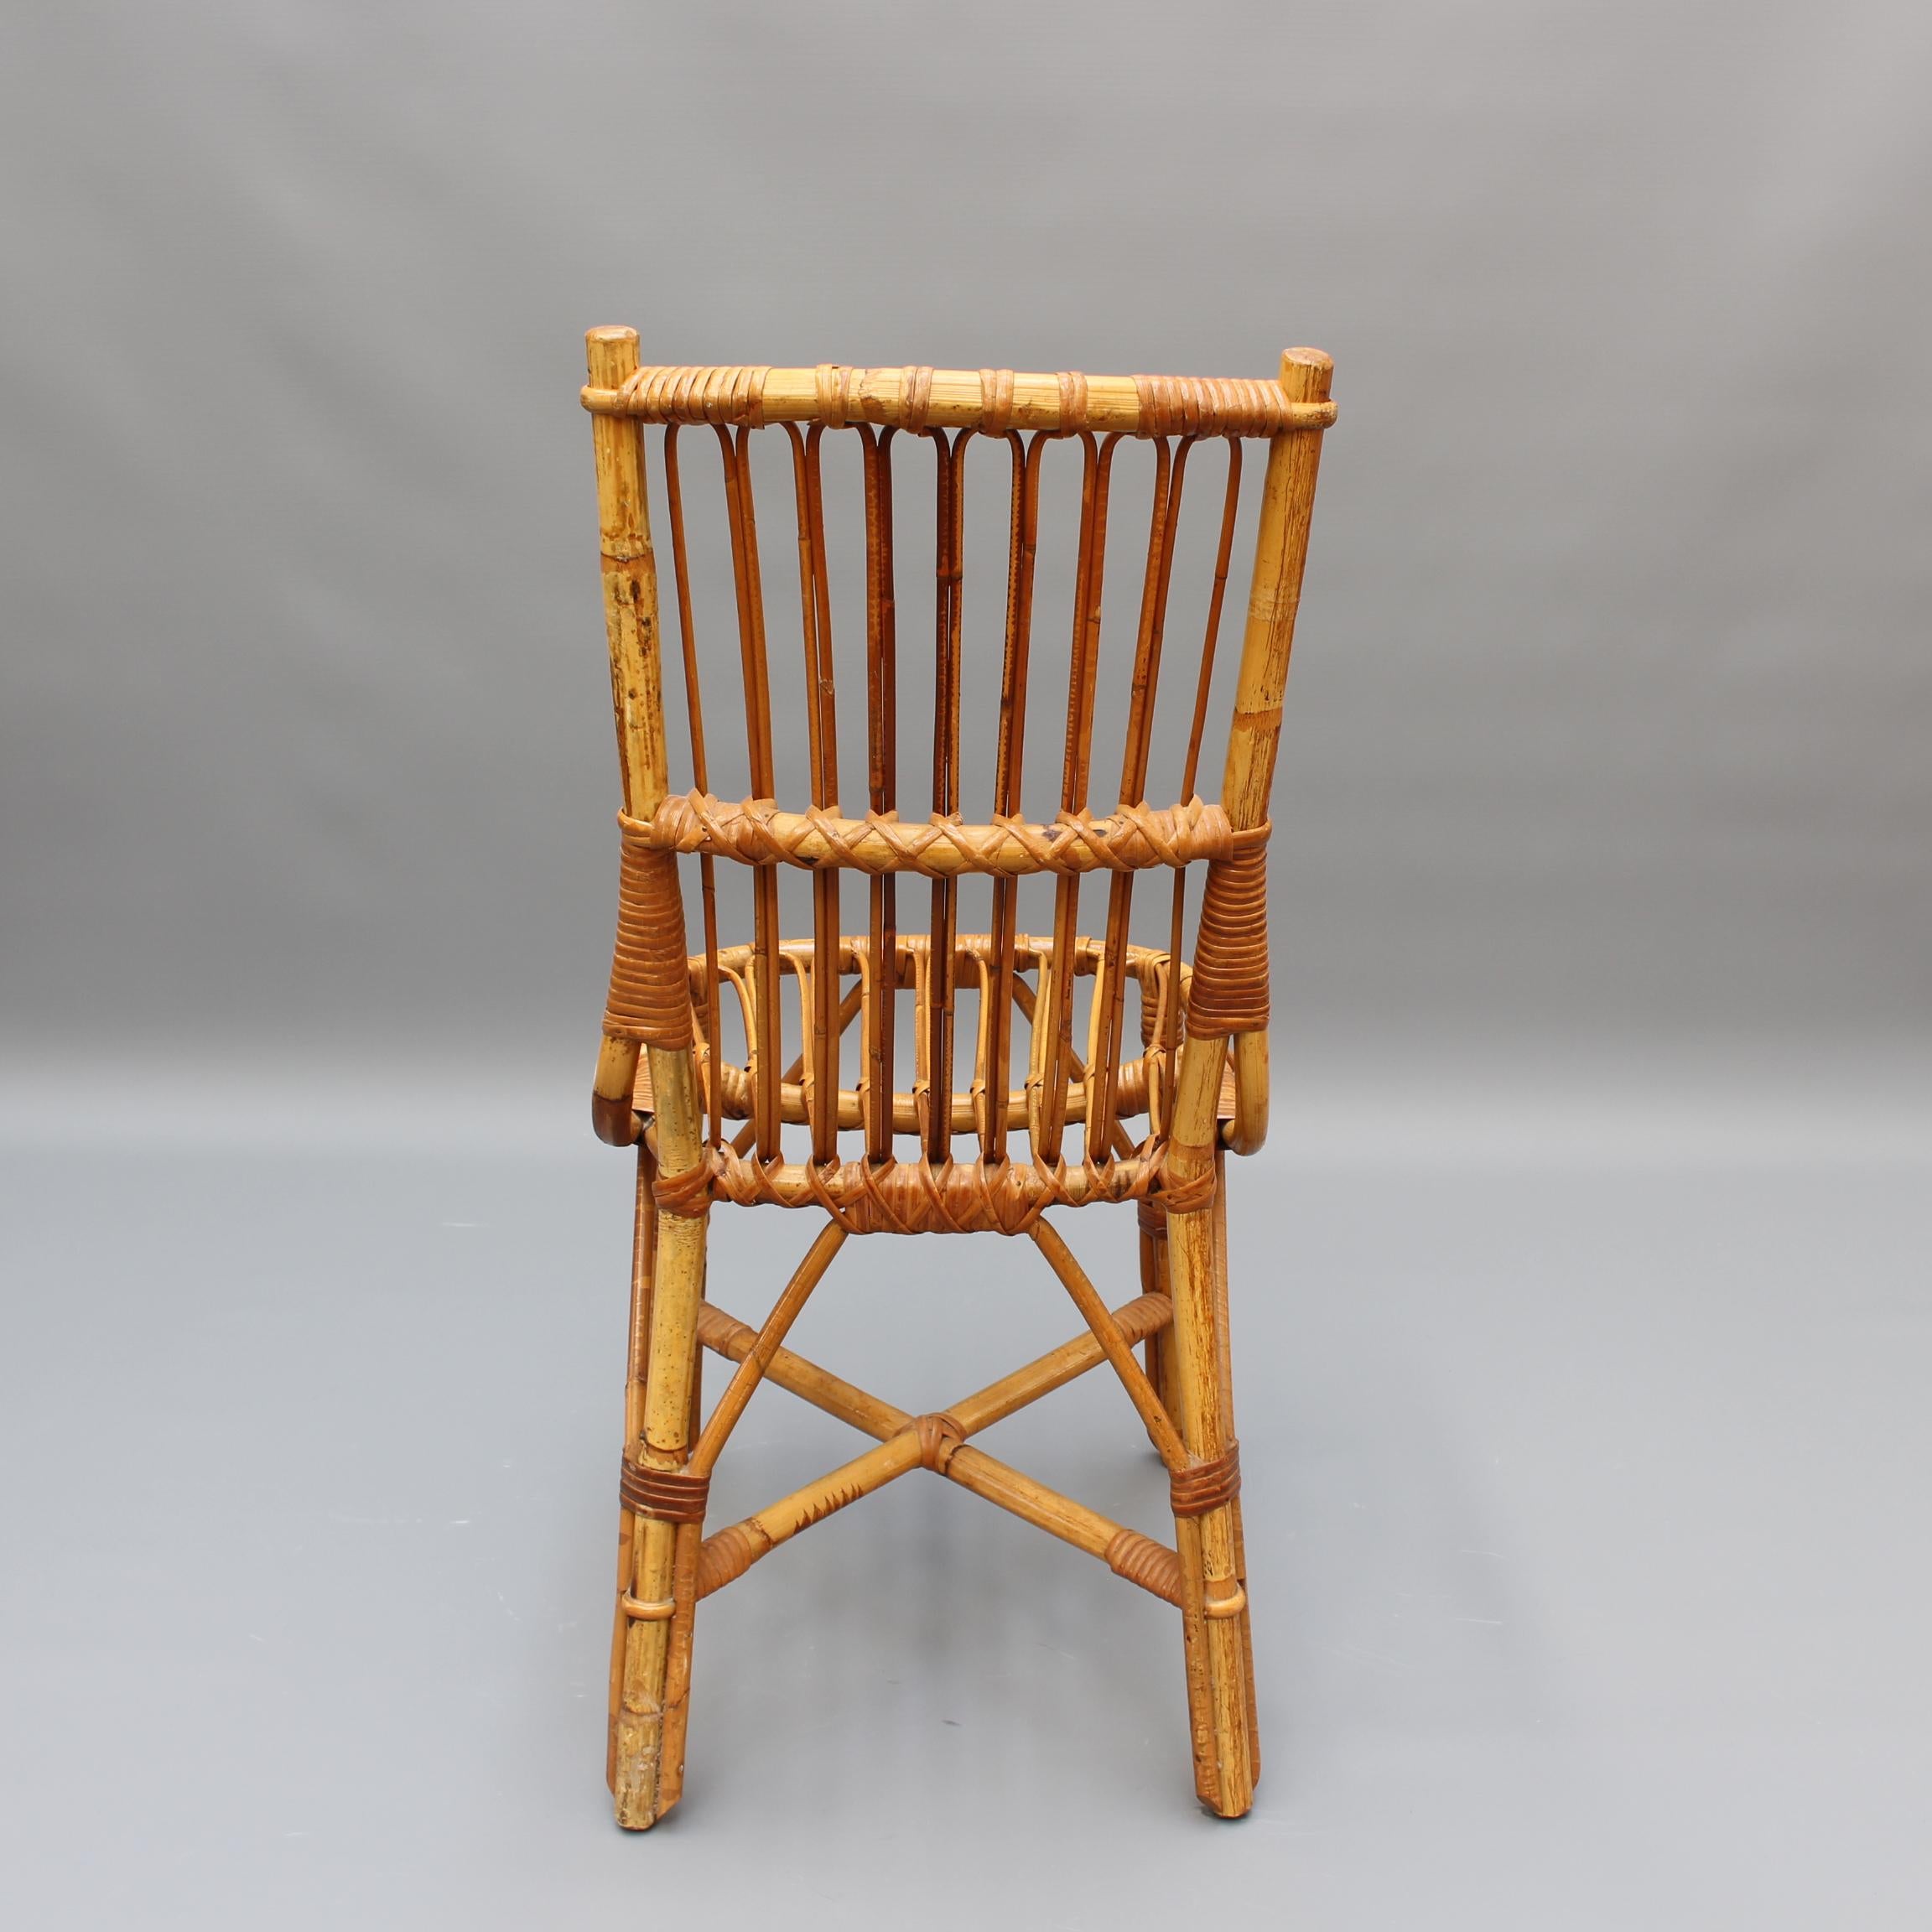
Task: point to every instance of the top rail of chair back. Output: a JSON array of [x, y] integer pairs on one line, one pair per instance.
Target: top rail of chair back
[[992, 400]]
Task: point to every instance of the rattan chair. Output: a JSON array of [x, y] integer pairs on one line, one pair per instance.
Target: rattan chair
[[880, 1155]]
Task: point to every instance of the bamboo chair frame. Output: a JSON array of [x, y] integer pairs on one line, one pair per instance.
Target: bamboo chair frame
[[708, 1131]]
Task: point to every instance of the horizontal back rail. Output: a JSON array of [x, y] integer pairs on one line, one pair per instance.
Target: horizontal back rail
[[991, 400], [1130, 839]]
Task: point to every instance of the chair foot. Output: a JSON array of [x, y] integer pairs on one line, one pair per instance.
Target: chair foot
[[638, 1755], [648, 1720], [1220, 1674], [1207, 1518]]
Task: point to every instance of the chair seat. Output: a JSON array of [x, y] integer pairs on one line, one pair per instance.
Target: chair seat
[[975, 955], [1135, 1079]]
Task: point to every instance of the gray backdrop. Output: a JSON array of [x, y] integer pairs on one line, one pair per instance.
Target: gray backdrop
[[1603, 901]]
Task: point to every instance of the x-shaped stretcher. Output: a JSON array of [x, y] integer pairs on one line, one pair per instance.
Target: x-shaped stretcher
[[938, 1440]]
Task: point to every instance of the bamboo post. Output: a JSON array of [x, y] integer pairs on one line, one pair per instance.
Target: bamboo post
[[1221, 1706], [1280, 552], [1227, 1354], [630, 577], [643, 1247], [648, 1746]]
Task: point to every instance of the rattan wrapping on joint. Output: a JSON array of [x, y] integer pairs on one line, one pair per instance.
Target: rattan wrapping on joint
[[668, 1495], [939, 1435], [1140, 1560], [650, 995], [697, 394], [724, 1558], [1210, 405], [1205, 1486], [1229, 990]]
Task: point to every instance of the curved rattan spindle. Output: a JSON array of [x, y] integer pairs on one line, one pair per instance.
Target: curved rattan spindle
[[821, 1031], [701, 777], [1169, 1016], [881, 964], [748, 582], [1053, 1037], [937, 1013], [1109, 990], [997, 992]]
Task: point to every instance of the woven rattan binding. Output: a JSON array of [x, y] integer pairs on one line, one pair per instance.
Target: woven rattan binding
[[1229, 992], [1202, 1486], [664, 1495], [649, 1000]]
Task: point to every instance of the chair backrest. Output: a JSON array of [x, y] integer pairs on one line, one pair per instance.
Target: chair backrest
[[839, 809]]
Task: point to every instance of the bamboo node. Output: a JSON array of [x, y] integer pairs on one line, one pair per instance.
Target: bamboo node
[[660, 1611], [724, 1333], [1231, 1605]]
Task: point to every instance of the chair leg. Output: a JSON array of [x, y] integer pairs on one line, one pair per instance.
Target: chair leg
[[659, 1585], [643, 1242], [1157, 1350], [1220, 1675], [1227, 1357]]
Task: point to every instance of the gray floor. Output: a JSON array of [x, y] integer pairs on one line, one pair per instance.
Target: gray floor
[[1587, 1524]]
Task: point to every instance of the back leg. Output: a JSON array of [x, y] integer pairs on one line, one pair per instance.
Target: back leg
[[643, 1241], [1226, 1352], [659, 1585], [1207, 1516], [1157, 1350]]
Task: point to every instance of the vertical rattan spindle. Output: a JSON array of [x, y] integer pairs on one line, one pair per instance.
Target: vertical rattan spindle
[[648, 1757], [878, 1017], [1211, 1540]]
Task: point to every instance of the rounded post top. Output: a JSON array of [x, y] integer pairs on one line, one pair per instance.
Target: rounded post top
[[609, 354], [1306, 374]]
